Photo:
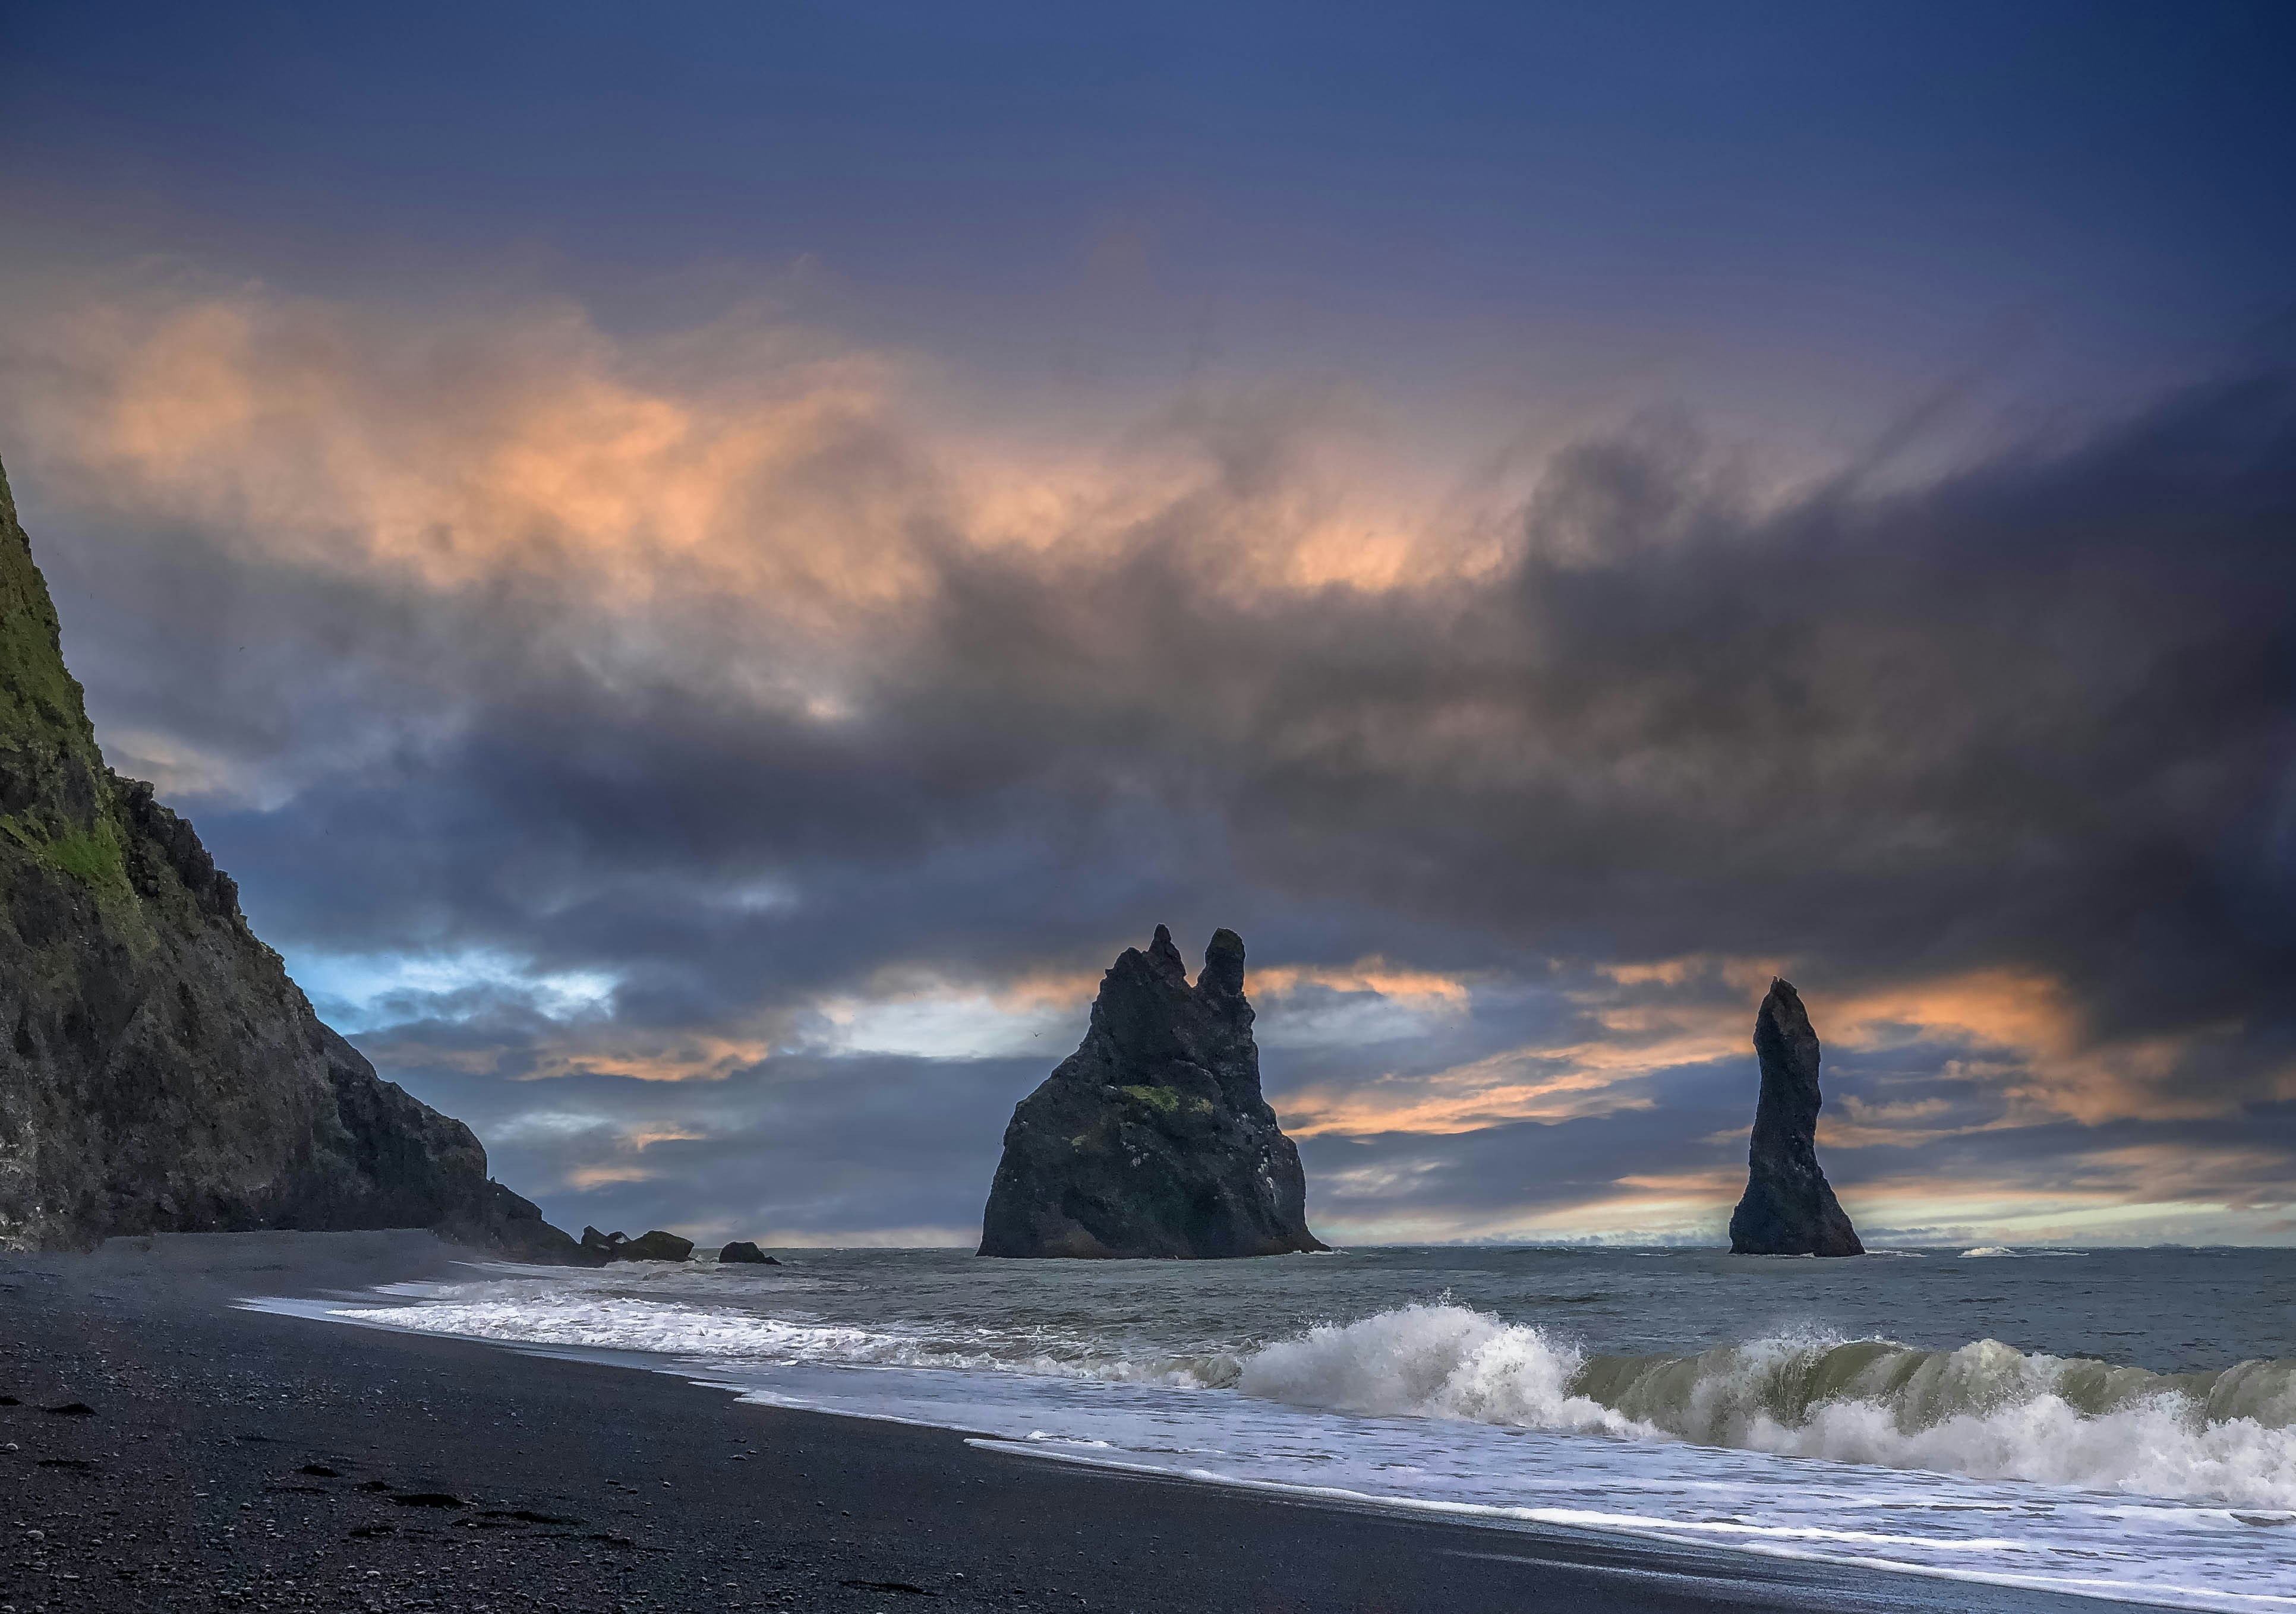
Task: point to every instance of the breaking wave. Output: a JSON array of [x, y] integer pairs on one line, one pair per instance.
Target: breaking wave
[[1987, 1410]]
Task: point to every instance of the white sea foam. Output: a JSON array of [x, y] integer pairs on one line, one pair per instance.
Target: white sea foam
[[1983, 1462], [545, 1313], [2003, 1251], [1987, 1410], [1434, 1360]]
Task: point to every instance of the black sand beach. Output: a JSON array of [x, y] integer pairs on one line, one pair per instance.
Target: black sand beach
[[235, 1459]]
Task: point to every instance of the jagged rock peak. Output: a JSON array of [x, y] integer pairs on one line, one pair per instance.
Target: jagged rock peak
[[159, 1071], [1153, 1138], [1789, 1207]]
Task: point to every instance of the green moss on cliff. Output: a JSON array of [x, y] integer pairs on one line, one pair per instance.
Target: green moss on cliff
[[51, 772], [91, 856], [36, 688]]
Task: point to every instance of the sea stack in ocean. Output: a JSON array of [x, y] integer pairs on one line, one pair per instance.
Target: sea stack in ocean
[[1151, 1139], [1789, 1207], [159, 1071]]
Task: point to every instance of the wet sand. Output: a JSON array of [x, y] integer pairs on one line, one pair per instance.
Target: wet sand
[[240, 1460]]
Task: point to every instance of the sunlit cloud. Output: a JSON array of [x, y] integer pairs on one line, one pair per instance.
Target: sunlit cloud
[[751, 462], [659, 725], [1419, 988], [584, 1178], [2060, 1066]]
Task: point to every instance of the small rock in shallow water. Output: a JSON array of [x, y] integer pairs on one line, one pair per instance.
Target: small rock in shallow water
[[74, 1409], [741, 1250]]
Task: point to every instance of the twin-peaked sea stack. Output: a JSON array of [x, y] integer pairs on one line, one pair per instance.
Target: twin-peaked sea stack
[[1789, 1207], [159, 1071], [1152, 1140]]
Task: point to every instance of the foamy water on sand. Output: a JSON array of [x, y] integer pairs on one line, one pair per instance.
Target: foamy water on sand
[[2121, 1423]]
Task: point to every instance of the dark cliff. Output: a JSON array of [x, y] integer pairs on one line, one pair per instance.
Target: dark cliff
[[1789, 1207], [1152, 1139], [159, 1071]]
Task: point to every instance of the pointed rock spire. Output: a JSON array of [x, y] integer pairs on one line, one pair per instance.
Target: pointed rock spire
[[1789, 1207]]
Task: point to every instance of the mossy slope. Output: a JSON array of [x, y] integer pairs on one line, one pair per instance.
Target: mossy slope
[[159, 1071]]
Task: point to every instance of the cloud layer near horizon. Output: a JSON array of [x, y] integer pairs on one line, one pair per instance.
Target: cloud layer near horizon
[[717, 766]]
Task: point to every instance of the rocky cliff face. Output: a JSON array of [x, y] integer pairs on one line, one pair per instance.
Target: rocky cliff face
[[1151, 1139], [159, 1071], [1789, 1209]]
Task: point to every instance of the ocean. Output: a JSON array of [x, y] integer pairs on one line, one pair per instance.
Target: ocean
[[2116, 1422]]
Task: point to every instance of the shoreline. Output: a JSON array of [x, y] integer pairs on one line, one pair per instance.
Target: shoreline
[[463, 1474]]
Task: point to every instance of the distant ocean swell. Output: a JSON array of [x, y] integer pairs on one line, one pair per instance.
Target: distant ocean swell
[[1986, 1410]]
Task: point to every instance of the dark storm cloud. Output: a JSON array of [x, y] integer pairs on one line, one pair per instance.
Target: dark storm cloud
[[2038, 714], [2034, 716]]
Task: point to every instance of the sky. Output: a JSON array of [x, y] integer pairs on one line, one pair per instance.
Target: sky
[[707, 568]]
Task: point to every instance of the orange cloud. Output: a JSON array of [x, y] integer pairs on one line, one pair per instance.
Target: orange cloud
[[1420, 987], [686, 1057], [2047, 1062], [2060, 1070], [596, 1048], [642, 1138], [600, 1177], [746, 461], [1533, 1083]]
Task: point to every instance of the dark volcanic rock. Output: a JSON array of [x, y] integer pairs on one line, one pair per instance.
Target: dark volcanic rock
[[159, 1071], [1789, 1209], [742, 1251], [655, 1245], [1151, 1139]]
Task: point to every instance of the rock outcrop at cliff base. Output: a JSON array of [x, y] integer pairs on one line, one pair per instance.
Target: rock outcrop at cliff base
[[159, 1071], [1151, 1139], [1789, 1207]]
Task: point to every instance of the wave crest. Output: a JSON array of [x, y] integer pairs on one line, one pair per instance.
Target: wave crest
[[1986, 1410]]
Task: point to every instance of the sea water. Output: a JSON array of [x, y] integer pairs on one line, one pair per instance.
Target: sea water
[[2116, 1422]]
